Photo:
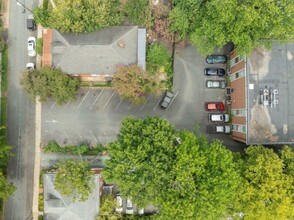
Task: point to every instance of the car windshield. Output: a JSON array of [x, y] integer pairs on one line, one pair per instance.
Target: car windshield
[[212, 71], [212, 106]]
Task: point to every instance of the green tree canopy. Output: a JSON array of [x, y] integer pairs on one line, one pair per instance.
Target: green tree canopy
[[6, 189], [204, 180], [75, 179], [248, 24], [191, 180], [132, 83], [5, 149], [50, 82], [141, 159], [79, 15], [266, 191]]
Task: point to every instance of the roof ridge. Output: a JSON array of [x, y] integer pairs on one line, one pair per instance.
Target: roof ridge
[[123, 35]]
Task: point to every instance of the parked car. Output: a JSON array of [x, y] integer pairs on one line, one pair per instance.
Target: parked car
[[167, 100], [214, 84], [119, 203], [129, 208], [212, 59], [32, 46], [214, 71], [218, 117], [30, 66], [214, 106], [141, 211], [31, 25], [215, 129]]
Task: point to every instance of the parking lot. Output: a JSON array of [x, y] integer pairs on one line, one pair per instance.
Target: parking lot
[[96, 115]]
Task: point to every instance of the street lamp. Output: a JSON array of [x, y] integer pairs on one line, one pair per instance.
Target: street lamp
[[22, 5]]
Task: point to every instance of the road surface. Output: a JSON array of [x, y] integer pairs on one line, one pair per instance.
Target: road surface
[[21, 118]]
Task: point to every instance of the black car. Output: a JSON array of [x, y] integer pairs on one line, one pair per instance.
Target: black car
[[214, 72], [166, 100], [211, 59]]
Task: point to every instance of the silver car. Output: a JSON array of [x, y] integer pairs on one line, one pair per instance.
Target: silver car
[[216, 84]]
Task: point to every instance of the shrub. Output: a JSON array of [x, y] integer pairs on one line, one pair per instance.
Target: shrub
[[157, 57], [53, 146], [139, 12], [39, 47]]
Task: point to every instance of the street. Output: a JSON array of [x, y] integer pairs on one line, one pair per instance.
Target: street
[[21, 118]]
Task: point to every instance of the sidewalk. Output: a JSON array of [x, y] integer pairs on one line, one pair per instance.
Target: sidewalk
[[35, 204]]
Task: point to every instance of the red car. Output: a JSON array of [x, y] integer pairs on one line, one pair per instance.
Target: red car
[[214, 106]]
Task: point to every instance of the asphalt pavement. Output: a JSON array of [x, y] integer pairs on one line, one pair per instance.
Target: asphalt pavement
[[96, 115], [21, 118]]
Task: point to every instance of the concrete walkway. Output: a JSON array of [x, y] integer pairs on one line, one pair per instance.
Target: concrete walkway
[[38, 123]]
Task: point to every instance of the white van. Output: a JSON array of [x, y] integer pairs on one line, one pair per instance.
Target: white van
[[218, 117]]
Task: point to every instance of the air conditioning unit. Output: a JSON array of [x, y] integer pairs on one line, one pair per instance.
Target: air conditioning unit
[[228, 102]]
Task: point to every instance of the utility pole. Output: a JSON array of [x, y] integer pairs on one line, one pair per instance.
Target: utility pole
[[21, 4]]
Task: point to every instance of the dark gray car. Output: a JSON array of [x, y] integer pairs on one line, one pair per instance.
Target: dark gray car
[[214, 71], [211, 59], [167, 100]]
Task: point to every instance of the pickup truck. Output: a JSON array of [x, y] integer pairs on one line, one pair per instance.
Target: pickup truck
[[218, 129]]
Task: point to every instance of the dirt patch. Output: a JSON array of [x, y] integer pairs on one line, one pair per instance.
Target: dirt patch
[[259, 62], [261, 128], [5, 13]]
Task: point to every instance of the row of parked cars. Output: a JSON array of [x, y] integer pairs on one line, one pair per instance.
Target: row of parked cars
[[126, 206], [215, 71], [31, 52], [217, 118], [216, 107]]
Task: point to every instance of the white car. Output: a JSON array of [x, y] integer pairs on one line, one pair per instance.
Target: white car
[[32, 46], [218, 117], [141, 211], [129, 208], [30, 66], [119, 203]]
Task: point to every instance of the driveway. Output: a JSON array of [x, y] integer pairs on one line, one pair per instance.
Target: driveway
[[96, 115]]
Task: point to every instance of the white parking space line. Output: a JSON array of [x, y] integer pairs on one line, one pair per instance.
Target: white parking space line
[[84, 98], [53, 105], [108, 100], [145, 103], [174, 97], [66, 104], [58, 142], [96, 99], [94, 136], [131, 106], [118, 104], [80, 135], [156, 104], [68, 139]]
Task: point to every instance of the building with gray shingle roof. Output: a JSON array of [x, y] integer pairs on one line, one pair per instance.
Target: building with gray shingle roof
[[59, 207], [99, 52]]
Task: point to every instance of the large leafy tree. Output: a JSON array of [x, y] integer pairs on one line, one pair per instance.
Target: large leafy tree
[[5, 149], [187, 179], [132, 83], [79, 15], [50, 82], [75, 179], [248, 24], [6, 189], [141, 159], [204, 181], [266, 191]]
